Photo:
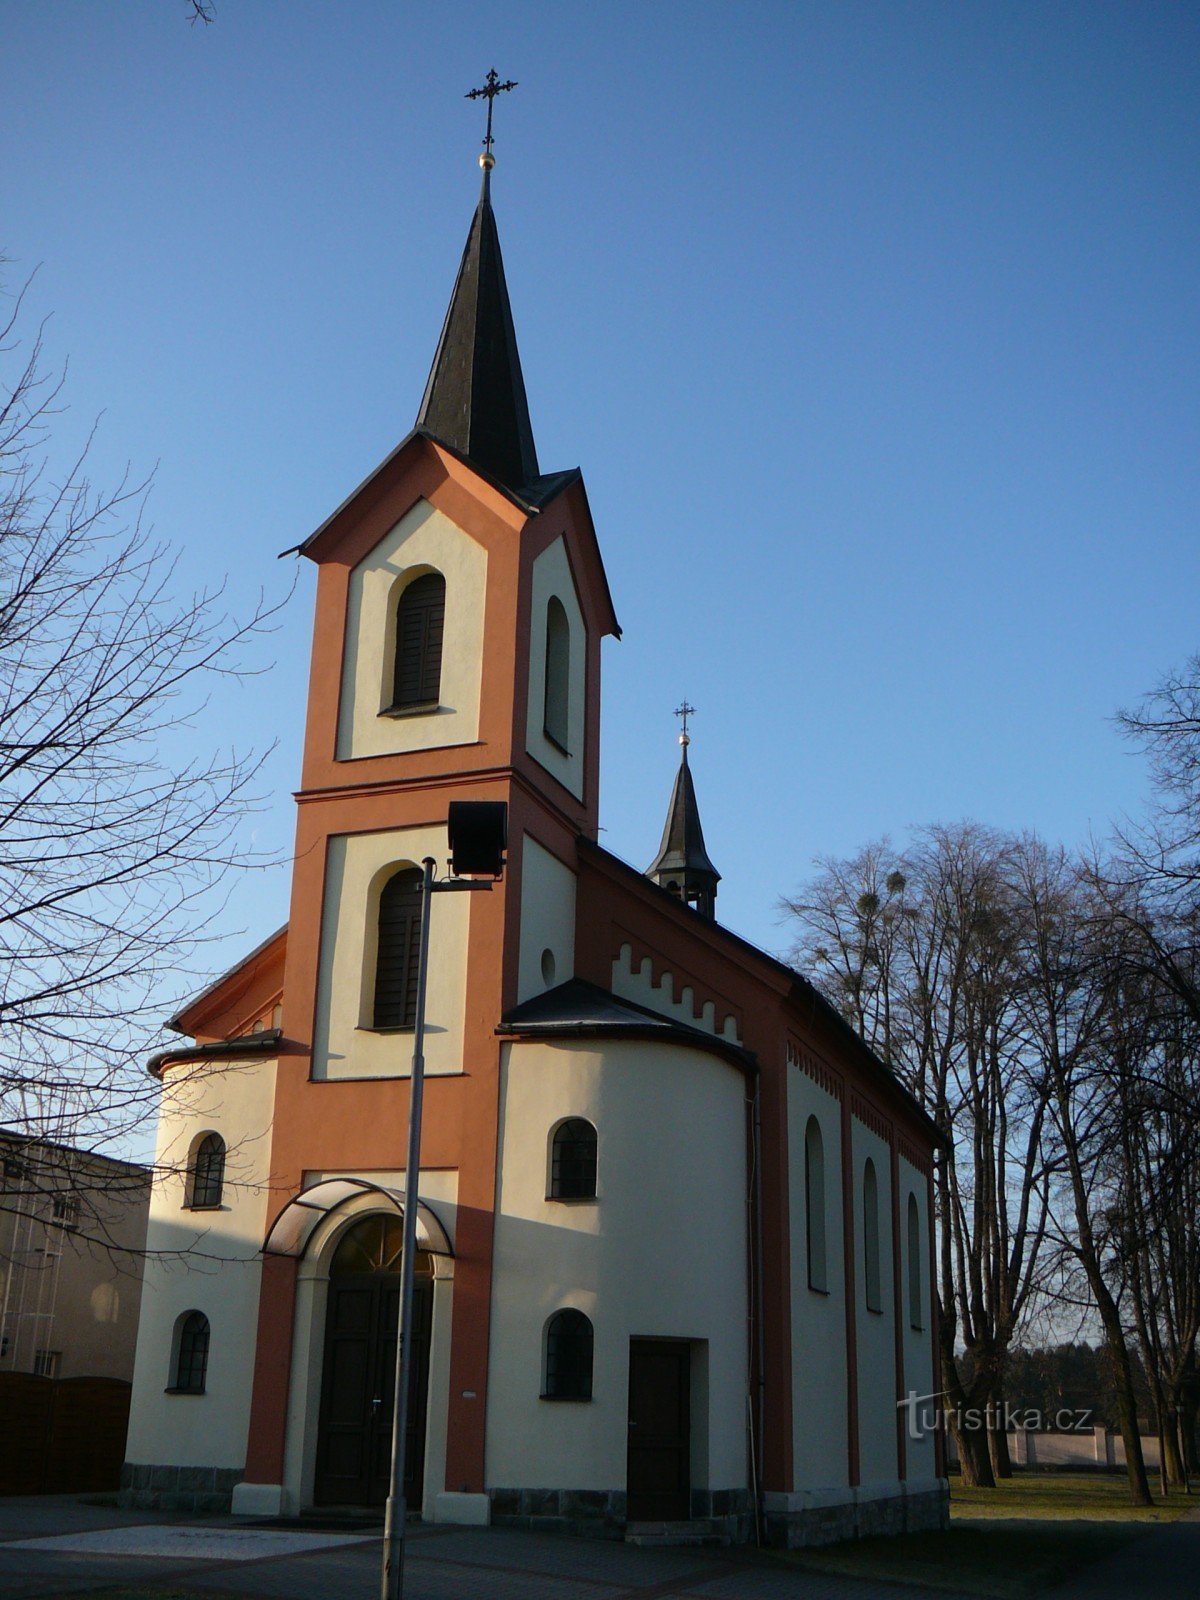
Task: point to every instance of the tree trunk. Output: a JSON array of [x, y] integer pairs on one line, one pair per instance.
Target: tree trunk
[[974, 1456], [1172, 1462], [1122, 1374], [998, 1442], [974, 1461]]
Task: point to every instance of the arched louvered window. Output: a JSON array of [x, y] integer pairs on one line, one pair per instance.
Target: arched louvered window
[[568, 1372], [915, 1307], [398, 951], [573, 1161], [191, 1355], [206, 1177], [870, 1202], [814, 1206], [420, 622], [556, 720]]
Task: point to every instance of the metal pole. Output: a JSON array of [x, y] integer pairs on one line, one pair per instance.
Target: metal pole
[[397, 1509]]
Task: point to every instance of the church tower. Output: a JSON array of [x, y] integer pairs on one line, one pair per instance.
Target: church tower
[[461, 603]]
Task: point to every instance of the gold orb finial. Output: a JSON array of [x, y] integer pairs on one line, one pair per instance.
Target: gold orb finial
[[487, 161]]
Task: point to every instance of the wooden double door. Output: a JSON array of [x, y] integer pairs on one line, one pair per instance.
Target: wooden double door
[[659, 1481], [354, 1438]]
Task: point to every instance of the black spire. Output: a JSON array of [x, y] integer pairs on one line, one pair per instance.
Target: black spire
[[682, 863], [475, 398]]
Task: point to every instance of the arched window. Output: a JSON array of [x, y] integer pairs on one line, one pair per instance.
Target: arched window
[[420, 622], [870, 1201], [206, 1173], [915, 1313], [398, 951], [191, 1354], [374, 1245], [814, 1206], [573, 1161], [556, 717], [568, 1373]]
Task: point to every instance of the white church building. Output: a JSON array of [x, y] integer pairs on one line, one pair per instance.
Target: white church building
[[674, 1216]]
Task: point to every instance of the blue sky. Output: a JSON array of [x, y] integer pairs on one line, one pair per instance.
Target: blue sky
[[873, 327]]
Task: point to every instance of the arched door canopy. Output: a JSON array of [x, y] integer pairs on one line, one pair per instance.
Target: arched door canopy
[[298, 1221]]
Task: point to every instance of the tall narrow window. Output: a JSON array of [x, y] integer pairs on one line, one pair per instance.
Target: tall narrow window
[[420, 622], [556, 720], [398, 951], [573, 1161], [191, 1360], [814, 1206], [206, 1176], [568, 1357], [870, 1202], [915, 1311]]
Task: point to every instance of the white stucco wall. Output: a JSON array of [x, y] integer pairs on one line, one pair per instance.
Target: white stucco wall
[[204, 1261], [661, 1252], [819, 1368], [657, 992], [876, 1329], [918, 1343], [552, 576], [424, 540], [547, 920], [344, 1044], [440, 1189]]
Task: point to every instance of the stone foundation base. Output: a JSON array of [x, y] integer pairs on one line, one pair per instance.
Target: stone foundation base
[[601, 1513], [200, 1491], [594, 1513], [794, 1521]]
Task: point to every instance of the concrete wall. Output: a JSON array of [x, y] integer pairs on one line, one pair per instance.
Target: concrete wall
[[203, 1261], [547, 938], [876, 1332], [552, 576], [61, 1288], [920, 1459], [424, 540], [661, 1251], [819, 1376]]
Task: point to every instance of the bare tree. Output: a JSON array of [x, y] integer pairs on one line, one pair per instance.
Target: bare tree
[[916, 949], [1066, 1001], [115, 834]]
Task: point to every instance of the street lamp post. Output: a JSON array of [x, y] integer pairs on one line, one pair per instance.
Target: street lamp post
[[478, 833]]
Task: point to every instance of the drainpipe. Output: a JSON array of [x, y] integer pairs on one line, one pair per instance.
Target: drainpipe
[[757, 1398]]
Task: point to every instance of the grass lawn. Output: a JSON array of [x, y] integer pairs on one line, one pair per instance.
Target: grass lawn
[[1020, 1539]]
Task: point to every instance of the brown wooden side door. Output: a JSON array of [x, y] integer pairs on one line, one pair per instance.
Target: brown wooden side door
[[659, 1468]]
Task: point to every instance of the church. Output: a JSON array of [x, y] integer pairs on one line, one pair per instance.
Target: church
[[673, 1217]]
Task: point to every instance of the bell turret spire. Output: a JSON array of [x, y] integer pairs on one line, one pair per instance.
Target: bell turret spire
[[682, 864], [475, 398]]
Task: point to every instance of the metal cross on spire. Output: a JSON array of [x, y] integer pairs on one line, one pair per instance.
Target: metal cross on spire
[[491, 88], [684, 712]]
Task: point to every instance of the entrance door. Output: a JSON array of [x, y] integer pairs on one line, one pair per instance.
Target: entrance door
[[354, 1436], [659, 1472]]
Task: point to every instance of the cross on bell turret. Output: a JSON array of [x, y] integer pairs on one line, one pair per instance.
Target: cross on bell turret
[[682, 865]]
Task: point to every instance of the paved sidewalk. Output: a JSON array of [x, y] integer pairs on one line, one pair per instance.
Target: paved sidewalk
[[56, 1545]]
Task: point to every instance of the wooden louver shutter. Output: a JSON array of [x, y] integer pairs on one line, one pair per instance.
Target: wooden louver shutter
[[398, 951], [420, 620]]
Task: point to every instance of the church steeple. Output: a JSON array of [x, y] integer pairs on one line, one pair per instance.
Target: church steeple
[[682, 864], [475, 398]]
